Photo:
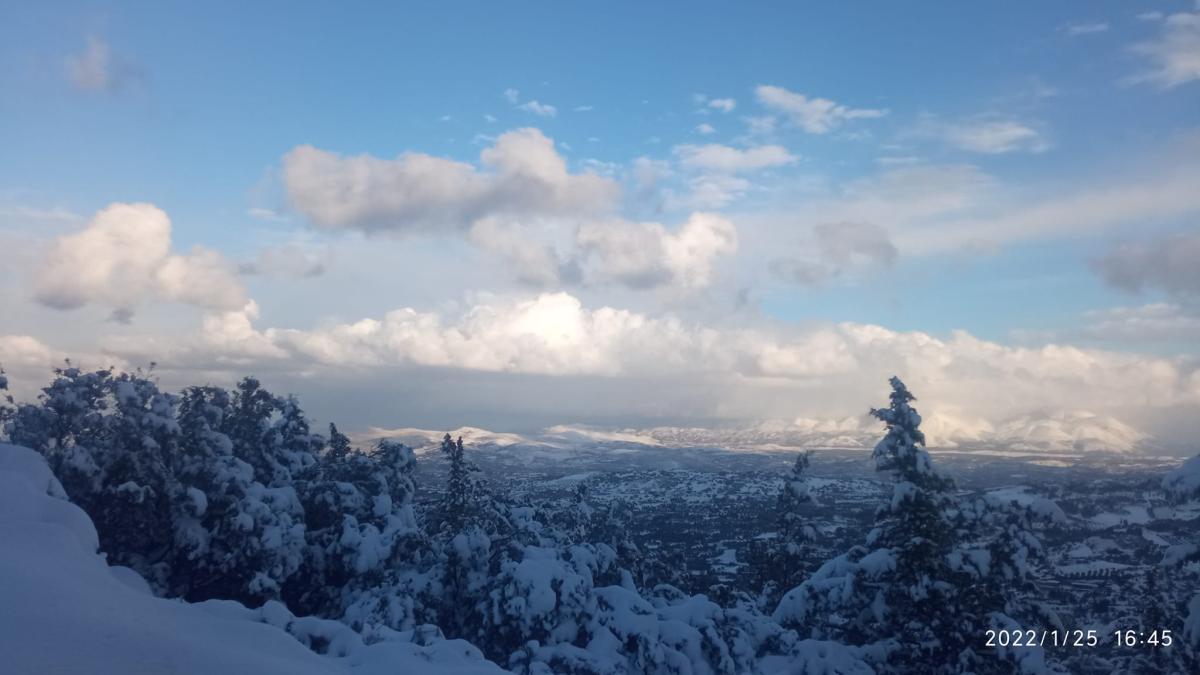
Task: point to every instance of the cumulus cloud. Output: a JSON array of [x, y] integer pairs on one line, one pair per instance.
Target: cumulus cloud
[[813, 115], [837, 248], [522, 175], [97, 69], [705, 129], [123, 257], [1174, 55], [984, 135], [642, 255], [726, 159], [1167, 263], [748, 370]]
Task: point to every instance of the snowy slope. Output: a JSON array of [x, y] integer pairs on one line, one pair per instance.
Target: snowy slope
[[66, 611]]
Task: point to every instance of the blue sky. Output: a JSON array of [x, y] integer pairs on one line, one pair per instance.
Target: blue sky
[[752, 189]]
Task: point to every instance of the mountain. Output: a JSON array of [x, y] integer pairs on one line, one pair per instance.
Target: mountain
[[1060, 433]]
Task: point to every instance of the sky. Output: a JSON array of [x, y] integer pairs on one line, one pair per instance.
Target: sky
[[623, 214]]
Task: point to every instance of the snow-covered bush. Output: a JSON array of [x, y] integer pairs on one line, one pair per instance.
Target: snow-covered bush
[[779, 559]]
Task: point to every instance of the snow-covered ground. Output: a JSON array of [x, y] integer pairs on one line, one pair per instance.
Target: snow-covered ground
[[67, 611]]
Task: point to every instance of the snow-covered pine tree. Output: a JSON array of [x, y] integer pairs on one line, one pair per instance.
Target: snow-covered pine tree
[[339, 444], [136, 509], [1160, 608], [925, 588], [236, 537], [471, 534], [365, 540], [778, 559], [6, 400], [108, 439]]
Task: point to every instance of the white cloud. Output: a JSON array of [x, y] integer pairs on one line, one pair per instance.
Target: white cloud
[[584, 108], [748, 370], [123, 258], [17, 351], [1175, 54], [230, 337], [28, 362], [1155, 321], [705, 129], [813, 115], [535, 107], [642, 255], [725, 105], [1086, 28], [539, 109], [984, 135], [726, 159], [289, 260], [525, 176], [995, 137]]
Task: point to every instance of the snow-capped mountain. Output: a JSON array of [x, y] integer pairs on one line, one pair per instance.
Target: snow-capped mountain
[[1061, 432]]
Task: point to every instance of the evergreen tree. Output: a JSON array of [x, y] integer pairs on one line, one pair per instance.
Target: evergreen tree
[[236, 537], [778, 559], [339, 444], [108, 440], [925, 588]]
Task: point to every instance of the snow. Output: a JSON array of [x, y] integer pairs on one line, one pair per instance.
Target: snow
[[1178, 553], [78, 615], [1130, 515], [820, 657], [1022, 495], [1191, 625]]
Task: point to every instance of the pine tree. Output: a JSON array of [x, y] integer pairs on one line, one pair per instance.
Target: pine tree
[[339, 444], [108, 440], [927, 585], [236, 537], [778, 559]]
